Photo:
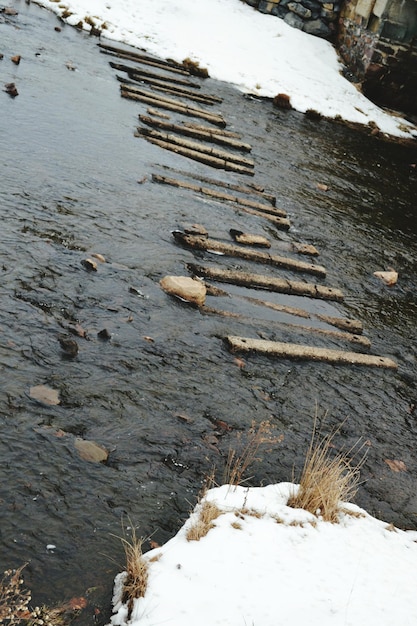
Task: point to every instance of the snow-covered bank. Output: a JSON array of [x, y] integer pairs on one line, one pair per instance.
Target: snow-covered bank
[[257, 53], [264, 563]]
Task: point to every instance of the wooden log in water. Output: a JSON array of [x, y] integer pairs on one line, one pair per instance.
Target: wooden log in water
[[348, 325], [203, 243], [198, 147], [304, 352], [202, 158], [257, 206], [169, 105], [157, 85], [207, 135], [220, 131], [246, 189], [141, 74], [269, 283], [169, 66]]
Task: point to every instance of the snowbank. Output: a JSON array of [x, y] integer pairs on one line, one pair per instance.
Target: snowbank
[[264, 563], [257, 53]]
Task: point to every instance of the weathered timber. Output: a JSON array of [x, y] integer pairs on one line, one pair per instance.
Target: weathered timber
[[220, 131], [358, 340], [247, 189], [170, 66], [282, 223], [204, 243], [141, 74], [219, 195], [348, 325], [269, 283], [157, 113], [179, 107], [193, 145], [156, 85], [304, 352], [207, 135], [137, 90], [249, 239], [202, 158]]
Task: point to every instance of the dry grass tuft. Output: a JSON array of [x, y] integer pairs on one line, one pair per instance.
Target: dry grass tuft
[[238, 462], [136, 579], [326, 481], [208, 513]]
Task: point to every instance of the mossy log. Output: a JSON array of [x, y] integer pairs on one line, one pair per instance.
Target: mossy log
[[203, 243], [252, 204], [304, 352], [207, 135], [196, 146], [269, 283]]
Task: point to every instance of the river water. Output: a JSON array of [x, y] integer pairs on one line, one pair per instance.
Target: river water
[[153, 393]]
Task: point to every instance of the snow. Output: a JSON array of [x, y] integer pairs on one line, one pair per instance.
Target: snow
[[259, 54], [266, 564]]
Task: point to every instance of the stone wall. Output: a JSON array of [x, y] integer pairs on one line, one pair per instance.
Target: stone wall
[[316, 17], [377, 40]]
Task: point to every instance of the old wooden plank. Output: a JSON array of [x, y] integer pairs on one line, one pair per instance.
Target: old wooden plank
[[305, 352], [271, 283], [157, 85], [204, 243]]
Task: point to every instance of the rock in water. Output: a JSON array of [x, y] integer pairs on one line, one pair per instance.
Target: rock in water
[[389, 278], [186, 288]]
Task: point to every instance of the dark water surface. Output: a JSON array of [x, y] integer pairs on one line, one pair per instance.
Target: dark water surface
[[70, 166]]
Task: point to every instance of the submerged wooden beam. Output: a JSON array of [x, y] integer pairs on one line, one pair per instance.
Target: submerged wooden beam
[[170, 66], [358, 340], [208, 134], [204, 243], [348, 325], [271, 283], [220, 131], [157, 85], [252, 204], [198, 147], [170, 105], [303, 352], [202, 158], [247, 189], [139, 73]]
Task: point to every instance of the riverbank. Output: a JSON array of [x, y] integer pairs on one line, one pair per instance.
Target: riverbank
[[260, 55]]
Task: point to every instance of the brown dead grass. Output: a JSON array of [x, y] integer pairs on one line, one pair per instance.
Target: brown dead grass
[[326, 481], [136, 580], [238, 462], [208, 513]]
